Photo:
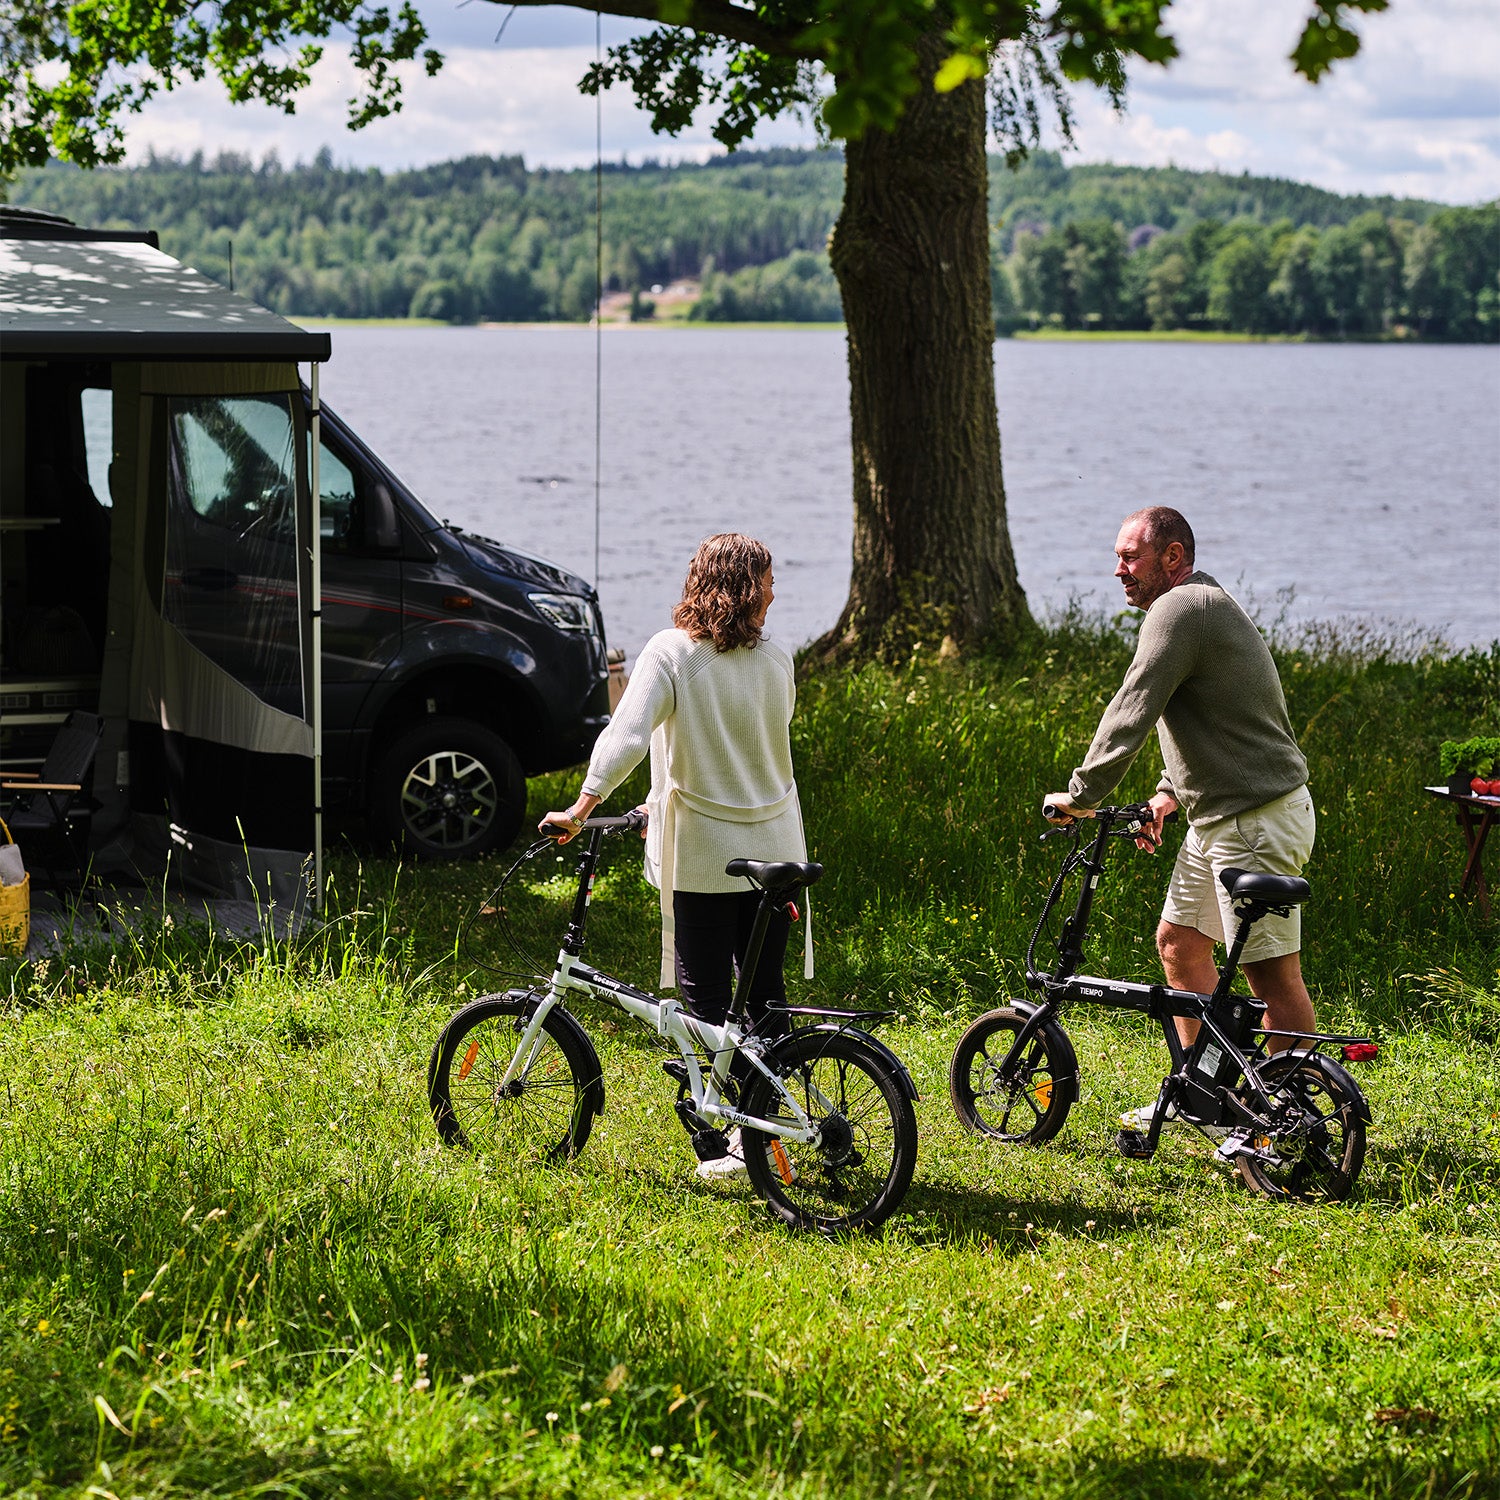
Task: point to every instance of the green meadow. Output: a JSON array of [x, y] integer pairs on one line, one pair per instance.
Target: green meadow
[[234, 1259]]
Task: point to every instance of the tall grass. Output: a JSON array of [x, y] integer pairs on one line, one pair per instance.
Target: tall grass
[[234, 1259]]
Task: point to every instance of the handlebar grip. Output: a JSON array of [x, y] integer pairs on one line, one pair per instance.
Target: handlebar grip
[[563, 829], [1053, 814]]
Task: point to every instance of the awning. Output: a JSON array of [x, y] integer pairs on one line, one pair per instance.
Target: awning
[[107, 300]]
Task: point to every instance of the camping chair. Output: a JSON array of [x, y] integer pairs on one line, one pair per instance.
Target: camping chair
[[51, 803]]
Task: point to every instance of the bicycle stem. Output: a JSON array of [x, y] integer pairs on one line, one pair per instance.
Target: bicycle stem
[[572, 942]]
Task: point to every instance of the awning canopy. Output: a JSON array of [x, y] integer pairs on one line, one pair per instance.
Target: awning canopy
[[108, 300]]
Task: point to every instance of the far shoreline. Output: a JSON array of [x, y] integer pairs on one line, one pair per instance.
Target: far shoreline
[[1021, 335]]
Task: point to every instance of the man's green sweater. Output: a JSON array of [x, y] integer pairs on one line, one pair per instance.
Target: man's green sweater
[[1203, 676]]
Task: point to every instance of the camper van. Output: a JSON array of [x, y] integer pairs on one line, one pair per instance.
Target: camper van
[[162, 564]]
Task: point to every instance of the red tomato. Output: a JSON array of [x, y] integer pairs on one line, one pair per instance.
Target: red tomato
[[1479, 786], [1494, 787]]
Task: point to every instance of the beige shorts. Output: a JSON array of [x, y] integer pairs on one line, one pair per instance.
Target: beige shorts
[[1275, 839]]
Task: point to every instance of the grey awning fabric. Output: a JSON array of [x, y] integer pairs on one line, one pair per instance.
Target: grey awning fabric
[[92, 299]]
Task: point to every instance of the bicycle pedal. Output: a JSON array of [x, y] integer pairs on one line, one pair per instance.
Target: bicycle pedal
[[1132, 1143], [710, 1145], [676, 1070]]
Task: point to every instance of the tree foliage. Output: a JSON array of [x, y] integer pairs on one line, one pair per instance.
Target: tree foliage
[[1372, 276], [72, 71]]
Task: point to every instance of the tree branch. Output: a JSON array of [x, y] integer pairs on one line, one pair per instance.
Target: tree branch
[[714, 17]]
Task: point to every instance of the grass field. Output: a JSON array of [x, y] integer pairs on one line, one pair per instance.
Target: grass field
[[235, 1261]]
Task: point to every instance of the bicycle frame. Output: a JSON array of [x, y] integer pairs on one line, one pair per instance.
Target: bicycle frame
[[667, 1018]]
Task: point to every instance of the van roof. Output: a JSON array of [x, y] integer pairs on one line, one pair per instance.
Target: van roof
[[75, 293]]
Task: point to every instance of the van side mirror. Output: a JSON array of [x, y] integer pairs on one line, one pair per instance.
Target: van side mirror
[[382, 521]]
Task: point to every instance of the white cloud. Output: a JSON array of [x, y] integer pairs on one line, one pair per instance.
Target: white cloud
[[1416, 113]]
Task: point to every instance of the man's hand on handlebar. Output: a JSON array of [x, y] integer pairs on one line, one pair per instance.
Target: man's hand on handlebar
[[1058, 808], [1149, 837]]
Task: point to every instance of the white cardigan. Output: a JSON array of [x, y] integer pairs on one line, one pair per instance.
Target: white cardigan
[[716, 725]]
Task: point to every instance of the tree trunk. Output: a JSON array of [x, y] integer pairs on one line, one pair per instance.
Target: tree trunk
[[932, 554]]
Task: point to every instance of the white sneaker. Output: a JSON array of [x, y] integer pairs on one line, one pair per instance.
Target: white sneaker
[[1140, 1119], [731, 1164]]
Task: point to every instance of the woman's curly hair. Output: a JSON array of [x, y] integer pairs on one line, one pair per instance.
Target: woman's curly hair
[[721, 593]]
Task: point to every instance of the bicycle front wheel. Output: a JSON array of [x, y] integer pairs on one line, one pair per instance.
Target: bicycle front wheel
[[858, 1172], [546, 1108], [1025, 1103], [1316, 1145]]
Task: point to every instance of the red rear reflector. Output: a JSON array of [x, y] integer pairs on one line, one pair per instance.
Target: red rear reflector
[[791, 910], [1361, 1051]]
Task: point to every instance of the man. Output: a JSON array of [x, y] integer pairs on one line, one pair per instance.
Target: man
[[1203, 677]]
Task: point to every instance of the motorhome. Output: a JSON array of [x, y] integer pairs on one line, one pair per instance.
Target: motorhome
[[255, 656]]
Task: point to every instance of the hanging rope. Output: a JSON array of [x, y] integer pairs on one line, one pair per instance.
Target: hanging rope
[[598, 286]]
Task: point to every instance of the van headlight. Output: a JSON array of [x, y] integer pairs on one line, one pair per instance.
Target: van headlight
[[567, 612]]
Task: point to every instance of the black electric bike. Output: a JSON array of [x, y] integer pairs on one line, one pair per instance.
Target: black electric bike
[[1292, 1123]]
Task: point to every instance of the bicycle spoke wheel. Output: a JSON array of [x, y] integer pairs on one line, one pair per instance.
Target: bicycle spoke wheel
[[1315, 1144], [546, 1108], [1026, 1102], [856, 1175]]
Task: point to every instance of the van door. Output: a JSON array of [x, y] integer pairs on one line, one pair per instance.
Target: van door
[[362, 543]]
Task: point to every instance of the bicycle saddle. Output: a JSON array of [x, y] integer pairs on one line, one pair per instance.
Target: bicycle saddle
[[776, 874], [1252, 885]]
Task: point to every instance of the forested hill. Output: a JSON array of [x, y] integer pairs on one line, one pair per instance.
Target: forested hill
[[1077, 246]]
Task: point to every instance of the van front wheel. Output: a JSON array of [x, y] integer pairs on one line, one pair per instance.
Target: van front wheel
[[448, 789]]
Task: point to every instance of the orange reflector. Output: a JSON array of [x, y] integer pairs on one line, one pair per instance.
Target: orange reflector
[[1044, 1093], [457, 601], [783, 1162], [469, 1057]]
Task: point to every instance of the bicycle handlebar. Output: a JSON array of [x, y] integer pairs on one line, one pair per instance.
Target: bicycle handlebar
[[631, 822], [1139, 812]]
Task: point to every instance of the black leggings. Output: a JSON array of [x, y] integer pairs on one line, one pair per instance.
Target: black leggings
[[713, 935]]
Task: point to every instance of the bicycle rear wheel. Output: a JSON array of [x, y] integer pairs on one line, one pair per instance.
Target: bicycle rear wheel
[[1316, 1145], [547, 1108], [1026, 1103], [857, 1174]]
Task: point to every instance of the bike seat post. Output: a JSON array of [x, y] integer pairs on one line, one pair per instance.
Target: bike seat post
[[748, 969], [1249, 915]]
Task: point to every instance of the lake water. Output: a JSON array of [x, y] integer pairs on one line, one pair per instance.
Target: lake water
[[1363, 479]]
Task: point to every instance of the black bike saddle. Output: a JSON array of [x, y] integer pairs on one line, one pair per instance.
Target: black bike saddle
[[776, 874], [1252, 885]]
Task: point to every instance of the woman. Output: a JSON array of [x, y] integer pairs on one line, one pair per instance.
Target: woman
[[711, 700]]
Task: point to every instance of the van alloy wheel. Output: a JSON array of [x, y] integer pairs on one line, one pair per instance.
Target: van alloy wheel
[[448, 789], [448, 799]]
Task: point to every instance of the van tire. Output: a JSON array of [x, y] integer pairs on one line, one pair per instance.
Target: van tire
[[447, 788]]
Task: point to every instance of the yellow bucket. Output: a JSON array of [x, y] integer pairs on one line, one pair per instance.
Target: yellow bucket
[[15, 911]]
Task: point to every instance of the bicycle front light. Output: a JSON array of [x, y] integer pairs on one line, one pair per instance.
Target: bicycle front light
[[566, 611]]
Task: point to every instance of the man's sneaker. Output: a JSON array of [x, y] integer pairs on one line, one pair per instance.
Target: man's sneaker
[[1140, 1119], [731, 1164]]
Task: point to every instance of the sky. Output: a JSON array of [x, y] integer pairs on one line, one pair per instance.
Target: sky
[[1416, 114]]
